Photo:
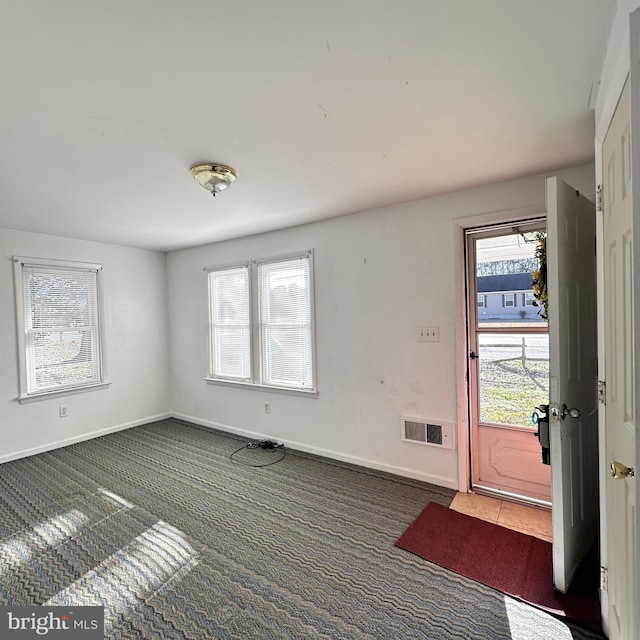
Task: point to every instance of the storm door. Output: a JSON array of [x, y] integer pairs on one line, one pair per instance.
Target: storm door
[[508, 362]]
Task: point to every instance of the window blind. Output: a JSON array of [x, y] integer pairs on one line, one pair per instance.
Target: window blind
[[229, 323], [285, 323], [61, 327]]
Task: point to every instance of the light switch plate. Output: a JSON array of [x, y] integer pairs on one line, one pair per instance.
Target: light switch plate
[[428, 334]]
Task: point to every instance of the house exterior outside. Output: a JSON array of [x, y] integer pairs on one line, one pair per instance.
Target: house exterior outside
[[506, 297]]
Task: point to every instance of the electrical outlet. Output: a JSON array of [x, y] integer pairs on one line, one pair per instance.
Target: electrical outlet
[[267, 407], [64, 410], [428, 334]]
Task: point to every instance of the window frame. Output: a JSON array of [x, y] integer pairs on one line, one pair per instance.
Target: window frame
[[210, 344], [255, 345], [25, 394], [481, 301], [511, 297]]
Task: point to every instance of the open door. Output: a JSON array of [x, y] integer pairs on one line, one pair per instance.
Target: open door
[[573, 390], [620, 405]]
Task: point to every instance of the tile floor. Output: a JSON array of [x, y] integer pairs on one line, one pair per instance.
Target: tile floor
[[531, 520]]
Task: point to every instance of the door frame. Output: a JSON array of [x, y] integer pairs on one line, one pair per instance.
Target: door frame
[[476, 426], [634, 29], [460, 225]]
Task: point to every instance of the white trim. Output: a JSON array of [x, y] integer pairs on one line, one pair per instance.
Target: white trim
[[459, 227], [19, 262], [56, 393], [634, 86], [615, 68], [326, 453], [602, 450], [81, 438], [25, 261], [252, 265], [278, 257], [20, 330], [503, 216], [292, 391], [212, 274], [462, 418], [223, 266], [102, 328]]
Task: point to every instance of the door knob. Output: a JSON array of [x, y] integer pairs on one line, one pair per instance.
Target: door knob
[[564, 412], [574, 413], [619, 470]]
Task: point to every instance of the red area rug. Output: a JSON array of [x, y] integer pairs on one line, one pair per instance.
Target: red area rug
[[509, 561]]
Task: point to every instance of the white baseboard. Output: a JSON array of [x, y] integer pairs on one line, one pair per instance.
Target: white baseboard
[[441, 481], [250, 435], [450, 483], [75, 439]]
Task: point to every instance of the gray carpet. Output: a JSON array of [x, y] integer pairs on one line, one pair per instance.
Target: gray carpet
[[176, 540]]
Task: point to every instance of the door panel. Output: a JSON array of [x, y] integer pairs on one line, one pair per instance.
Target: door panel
[[572, 377], [619, 371], [510, 461]]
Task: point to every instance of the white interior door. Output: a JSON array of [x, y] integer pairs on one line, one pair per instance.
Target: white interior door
[[573, 390], [619, 409]]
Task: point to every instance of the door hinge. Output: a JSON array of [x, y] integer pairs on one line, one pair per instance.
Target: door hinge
[[604, 579], [602, 391], [599, 198]]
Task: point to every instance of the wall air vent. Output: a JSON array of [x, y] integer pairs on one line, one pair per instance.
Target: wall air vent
[[434, 433]]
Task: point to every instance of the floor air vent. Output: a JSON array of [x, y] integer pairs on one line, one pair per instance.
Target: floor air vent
[[436, 434]]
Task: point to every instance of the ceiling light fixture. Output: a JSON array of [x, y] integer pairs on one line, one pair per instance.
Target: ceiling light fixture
[[214, 177]]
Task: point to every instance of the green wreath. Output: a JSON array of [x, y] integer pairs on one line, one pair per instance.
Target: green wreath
[[540, 276]]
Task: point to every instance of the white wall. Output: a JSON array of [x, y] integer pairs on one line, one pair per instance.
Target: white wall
[[137, 347], [378, 276]]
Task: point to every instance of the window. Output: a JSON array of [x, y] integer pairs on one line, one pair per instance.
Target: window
[[509, 300], [481, 301], [261, 324], [528, 299], [60, 333], [229, 328]]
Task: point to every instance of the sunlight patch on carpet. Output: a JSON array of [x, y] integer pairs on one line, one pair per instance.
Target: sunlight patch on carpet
[[115, 499], [525, 620], [21, 548], [149, 561]]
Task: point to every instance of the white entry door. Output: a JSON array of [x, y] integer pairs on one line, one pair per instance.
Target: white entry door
[[573, 392], [620, 417]]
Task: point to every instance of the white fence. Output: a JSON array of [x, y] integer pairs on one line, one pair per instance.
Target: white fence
[[504, 347]]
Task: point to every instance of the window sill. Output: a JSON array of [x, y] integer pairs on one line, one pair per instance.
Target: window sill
[[311, 393], [59, 393]]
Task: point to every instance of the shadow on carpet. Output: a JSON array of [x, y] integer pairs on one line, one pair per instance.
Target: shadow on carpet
[[509, 561]]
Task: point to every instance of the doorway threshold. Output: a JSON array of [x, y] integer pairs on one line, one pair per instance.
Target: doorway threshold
[[511, 497], [526, 519]]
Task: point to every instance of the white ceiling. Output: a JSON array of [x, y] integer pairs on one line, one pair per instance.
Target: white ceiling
[[324, 108]]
